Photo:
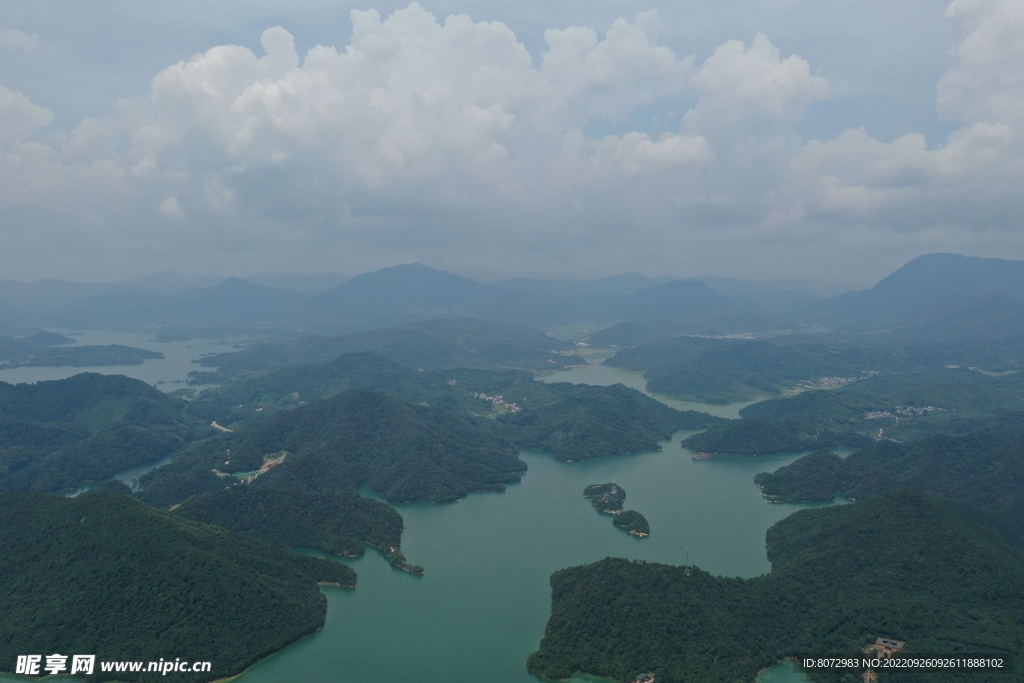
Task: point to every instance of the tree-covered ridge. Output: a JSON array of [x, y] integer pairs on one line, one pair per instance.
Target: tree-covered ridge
[[336, 522], [104, 574], [288, 387], [61, 433], [403, 452], [573, 422], [755, 436], [905, 407], [984, 469], [905, 565], [815, 477], [431, 345], [727, 370], [591, 422]]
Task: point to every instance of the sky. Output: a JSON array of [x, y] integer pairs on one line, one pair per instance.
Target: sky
[[759, 139]]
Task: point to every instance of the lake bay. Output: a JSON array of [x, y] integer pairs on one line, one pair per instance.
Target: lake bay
[[482, 605]]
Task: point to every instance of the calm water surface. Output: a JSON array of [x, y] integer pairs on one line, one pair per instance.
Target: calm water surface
[[605, 375], [167, 373], [481, 607]]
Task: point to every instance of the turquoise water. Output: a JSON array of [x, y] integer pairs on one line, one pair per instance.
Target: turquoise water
[[481, 607], [605, 375]]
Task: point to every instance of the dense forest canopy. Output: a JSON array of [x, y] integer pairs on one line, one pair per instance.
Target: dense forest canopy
[[431, 345], [904, 565], [573, 422], [597, 421], [904, 407], [105, 574], [722, 370], [435, 409], [984, 469], [62, 433], [402, 451], [606, 497]]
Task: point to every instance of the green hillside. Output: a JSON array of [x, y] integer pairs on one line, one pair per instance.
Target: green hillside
[[104, 574], [903, 406], [905, 565], [573, 422], [984, 469], [430, 344], [360, 436], [336, 522], [62, 433], [591, 422]]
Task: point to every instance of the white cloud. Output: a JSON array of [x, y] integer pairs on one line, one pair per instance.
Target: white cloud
[[13, 40], [972, 181], [171, 209], [19, 116], [752, 91], [987, 81], [448, 141]]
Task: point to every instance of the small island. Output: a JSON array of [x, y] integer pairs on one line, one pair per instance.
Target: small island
[[633, 522], [608, 498]]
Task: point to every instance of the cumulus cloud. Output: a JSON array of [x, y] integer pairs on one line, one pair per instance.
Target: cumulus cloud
[[450, 140], [752, 91], [19, 116], [987, 81], [973, 180], [13, 40]]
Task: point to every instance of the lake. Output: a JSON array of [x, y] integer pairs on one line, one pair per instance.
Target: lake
[[606, 375], [482, 605], [167, 373]]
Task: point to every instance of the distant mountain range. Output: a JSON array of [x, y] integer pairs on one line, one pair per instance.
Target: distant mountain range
[[938, 296], [934, 297]]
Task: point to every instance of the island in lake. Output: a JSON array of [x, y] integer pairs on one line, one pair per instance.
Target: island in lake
[[608, 498]]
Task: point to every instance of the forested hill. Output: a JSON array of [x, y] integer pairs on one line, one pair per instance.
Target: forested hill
[[983, 469], [902, 406], [336, 522], [403, 452], [104, 574], [573, 422], [591, 422], [431, 345], [61, 433], [905, 565], [726, 370]]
